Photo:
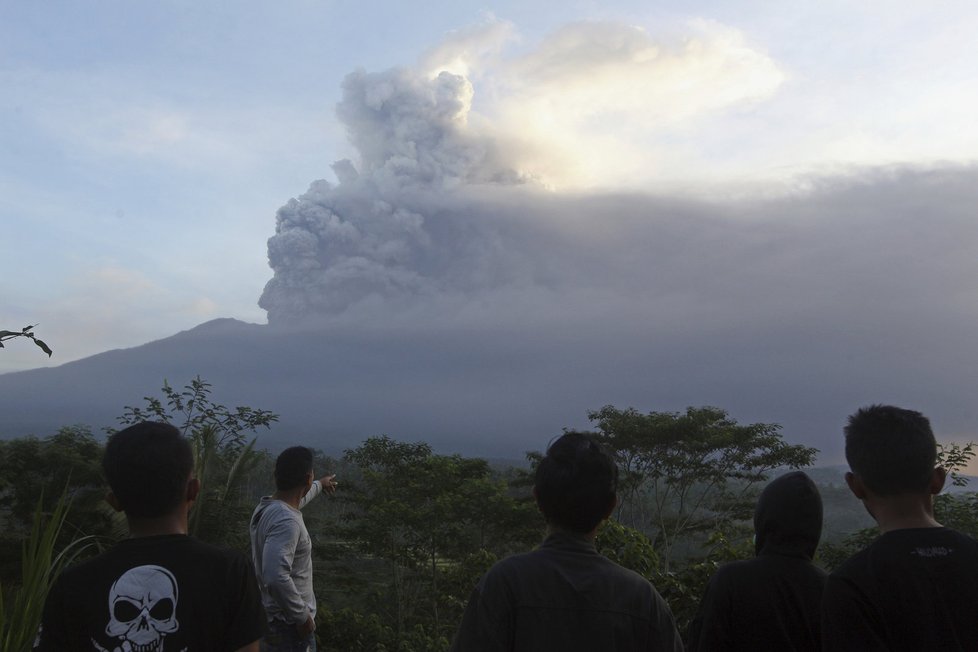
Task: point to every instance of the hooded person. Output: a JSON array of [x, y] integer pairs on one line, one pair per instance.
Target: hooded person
[[770, 602]]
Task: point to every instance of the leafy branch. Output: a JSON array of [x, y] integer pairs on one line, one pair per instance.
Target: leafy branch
[[28, 332]]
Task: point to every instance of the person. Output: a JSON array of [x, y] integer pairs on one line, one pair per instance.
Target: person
[[160, 589], [282, 552], [916, 586], [564, 595], [770, 602]]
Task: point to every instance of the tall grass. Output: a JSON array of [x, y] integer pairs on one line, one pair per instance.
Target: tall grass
[[20, 616], [221, 470]]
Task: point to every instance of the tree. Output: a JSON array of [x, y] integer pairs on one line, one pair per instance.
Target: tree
[[691, 473], [28, 332], [627, 547], [223, 456], [34, 472], [438, 521]]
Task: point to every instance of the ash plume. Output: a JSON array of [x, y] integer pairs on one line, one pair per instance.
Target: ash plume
[[855, 288], [370, 236]]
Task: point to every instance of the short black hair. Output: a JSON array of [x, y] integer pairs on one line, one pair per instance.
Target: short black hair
[[292, 467], [576, 483], [891, 449], [147, 466]]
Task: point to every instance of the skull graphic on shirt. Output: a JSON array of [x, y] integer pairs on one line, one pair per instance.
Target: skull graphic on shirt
[[143, 608]]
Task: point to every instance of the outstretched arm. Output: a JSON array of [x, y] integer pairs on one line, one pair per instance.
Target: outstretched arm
[[325, 483], [328, 483]]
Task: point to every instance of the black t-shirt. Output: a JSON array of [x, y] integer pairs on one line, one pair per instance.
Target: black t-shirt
[[912, 589], [167, 593]]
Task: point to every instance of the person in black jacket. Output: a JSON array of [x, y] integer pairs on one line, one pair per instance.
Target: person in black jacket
[[564, 596], [770, 602]]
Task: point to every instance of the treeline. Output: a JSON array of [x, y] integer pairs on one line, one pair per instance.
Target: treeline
[[400, 545]]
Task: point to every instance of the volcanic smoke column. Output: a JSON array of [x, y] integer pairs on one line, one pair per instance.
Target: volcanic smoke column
[[369, 237]]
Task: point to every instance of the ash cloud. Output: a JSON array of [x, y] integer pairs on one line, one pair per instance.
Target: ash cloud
[[794, 309], [377, 234]]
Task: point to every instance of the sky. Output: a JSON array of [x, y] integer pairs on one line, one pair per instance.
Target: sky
[[750, 173]]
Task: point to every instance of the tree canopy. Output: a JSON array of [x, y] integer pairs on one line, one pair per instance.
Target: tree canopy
[[692, 472], [223, 455]]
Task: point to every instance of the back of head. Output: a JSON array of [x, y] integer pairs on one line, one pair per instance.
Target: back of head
[[292, 468], [147, 466], [892, 450], [576, 483], [788, 517]]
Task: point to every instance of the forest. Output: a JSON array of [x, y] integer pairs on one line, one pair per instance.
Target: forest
[[400, 545]]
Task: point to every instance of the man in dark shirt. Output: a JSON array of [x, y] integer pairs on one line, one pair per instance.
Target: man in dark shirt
[[564, 596], [160, 589], [770, 602], [916, 586]]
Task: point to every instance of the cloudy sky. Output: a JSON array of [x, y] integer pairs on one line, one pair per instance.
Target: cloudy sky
[[788, 188]]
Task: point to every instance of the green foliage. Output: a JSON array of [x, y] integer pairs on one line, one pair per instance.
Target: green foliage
[[954, 458], [629, 548], [20, 613], [67, 462], [429, 517], [687, 474], [958, 511], [27, 332], [831, 555], [192, 408], [223, 457], [220, 507], [682, 588], [351, 631], [347, 630]]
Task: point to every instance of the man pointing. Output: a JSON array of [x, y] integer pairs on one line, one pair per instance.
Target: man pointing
[[282, 552]]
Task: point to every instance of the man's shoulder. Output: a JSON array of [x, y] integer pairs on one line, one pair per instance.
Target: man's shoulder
[[543, 562], [858, 564], [515, 563], [81, 572], [156, 550], [270, 511], [956, 535], [908, 546], [734, 572]]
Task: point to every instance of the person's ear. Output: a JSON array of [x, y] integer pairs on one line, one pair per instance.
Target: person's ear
[[536, 498], [856, 485], [113, 502], [937, 480], [193, 489]]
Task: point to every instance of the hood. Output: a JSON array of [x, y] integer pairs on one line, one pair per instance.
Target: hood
[[788, 517]]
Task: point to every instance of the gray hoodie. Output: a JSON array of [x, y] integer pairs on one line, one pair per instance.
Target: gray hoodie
[[282, 553]]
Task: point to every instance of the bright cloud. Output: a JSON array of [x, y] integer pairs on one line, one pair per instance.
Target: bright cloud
[[584, 106], [615, 105]]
